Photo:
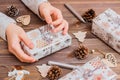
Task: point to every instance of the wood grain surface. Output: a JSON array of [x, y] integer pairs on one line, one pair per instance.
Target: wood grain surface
[[91, 41]]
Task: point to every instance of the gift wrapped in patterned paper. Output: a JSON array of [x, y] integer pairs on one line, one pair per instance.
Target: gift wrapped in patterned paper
[[106, 26], [95, 69], [46, 42]]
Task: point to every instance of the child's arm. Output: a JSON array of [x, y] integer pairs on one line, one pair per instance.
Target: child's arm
[[34, 5], [14, 35], [4, 22]]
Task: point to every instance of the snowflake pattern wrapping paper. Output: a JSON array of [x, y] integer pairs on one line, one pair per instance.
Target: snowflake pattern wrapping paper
[[45, 42], [95, 69], [106, 26]]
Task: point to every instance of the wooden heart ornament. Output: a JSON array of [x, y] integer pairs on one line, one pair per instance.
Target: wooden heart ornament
[[110, 60], [24, 19]]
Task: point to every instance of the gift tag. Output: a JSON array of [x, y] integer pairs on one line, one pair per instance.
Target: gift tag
[[110, 60], [80, 35], [25, 19], [43, 69]]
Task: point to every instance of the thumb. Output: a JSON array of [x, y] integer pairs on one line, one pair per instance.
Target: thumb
[[27, 41], [48, 17]]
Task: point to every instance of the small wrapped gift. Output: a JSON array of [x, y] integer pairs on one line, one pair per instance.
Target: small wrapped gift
[[45, 42], [107, 27], [95, 69]]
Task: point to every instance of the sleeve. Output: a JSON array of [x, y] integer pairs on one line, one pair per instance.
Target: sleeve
[[4, 22], [33, 5]]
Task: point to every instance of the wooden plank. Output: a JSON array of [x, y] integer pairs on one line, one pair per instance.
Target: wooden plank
[[65, 55]]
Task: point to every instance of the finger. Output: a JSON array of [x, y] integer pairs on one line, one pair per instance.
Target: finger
[[48, 18], [65, 28], [59, 28], [59, 18], [21, 55], [26, 40], [57, 22]]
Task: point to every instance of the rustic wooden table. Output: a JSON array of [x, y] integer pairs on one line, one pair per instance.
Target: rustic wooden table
[[64, 55]]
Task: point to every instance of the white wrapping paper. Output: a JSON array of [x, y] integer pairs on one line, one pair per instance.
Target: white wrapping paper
[[95, 69], [106, 26], [46, 42]]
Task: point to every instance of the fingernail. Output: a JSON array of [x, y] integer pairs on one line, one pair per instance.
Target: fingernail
[[33, 60], [49, 22], [64, 33], [54, 31], [52, 23], [31, 45]]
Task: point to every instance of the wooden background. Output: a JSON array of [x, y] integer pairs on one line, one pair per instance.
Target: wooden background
[[64, 55]]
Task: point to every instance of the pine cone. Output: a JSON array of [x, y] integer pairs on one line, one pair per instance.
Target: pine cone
[[81, 52], [12, 11], [54, 73], [89, 15]]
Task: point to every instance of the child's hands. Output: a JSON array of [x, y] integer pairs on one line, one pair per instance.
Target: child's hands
[[15, 35], [53, 16]]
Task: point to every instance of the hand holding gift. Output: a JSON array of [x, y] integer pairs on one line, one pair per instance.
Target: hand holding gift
[[16, 35]]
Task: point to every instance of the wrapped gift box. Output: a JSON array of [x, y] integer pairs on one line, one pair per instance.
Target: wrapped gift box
[[45, 42], [95, 69], [106, 26]]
